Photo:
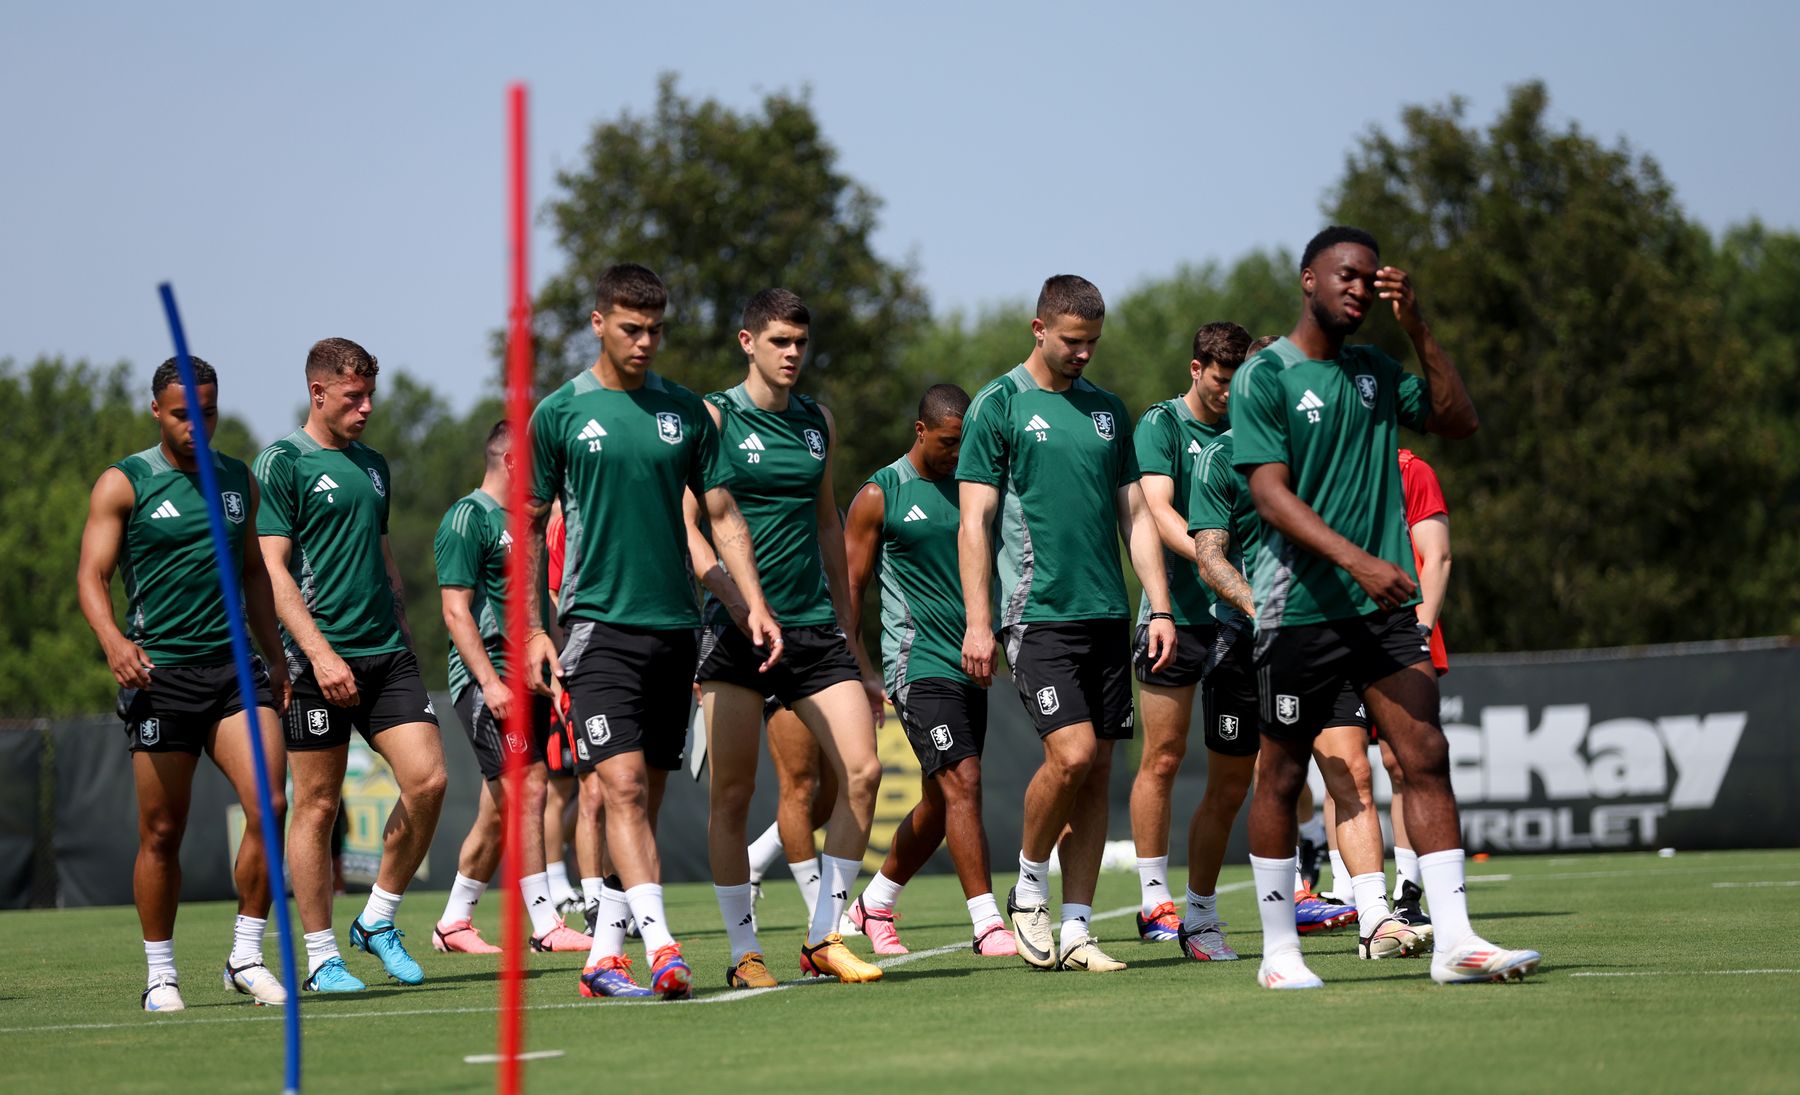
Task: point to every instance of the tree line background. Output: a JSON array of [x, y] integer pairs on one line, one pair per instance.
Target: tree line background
[[1636, 478]]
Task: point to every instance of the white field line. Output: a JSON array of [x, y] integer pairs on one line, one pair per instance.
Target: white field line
[[1752, 885], [1678, 973], [308, 1015]]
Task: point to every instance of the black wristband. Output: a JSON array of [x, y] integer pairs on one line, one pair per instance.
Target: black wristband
[[1169, 616]]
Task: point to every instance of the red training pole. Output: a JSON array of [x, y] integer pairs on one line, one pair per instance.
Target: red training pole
[[518, 721]]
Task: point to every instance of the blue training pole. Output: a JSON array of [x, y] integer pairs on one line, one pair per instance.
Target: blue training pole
[[240, 653]]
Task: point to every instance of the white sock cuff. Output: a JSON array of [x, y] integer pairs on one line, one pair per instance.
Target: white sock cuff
[[1433, 859]]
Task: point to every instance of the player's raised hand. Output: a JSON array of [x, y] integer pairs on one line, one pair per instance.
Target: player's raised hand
[[543, 669], [978, 656], [1383, 581], [765, 634], [1161, 638], [1394, 285], [335, 680], [129, 664]]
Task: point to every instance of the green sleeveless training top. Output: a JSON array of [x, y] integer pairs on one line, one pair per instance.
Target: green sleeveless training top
[[777, 459], [922, 617], [333, 505], [174, 607]]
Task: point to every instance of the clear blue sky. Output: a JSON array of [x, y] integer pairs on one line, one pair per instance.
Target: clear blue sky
[[335, 169]]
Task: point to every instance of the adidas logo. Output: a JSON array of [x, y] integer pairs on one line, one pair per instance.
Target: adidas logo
[[752, 443], [1193, 448], [1309, 402], [748, 919], [620, 924], [914, 514], [1029, 877], [840, 895], [1272, 895], [538, 901], [1037, 423], [167, 509], [324, 484], [814, 877], [591, 431], [1462, 889], [1156, 882]]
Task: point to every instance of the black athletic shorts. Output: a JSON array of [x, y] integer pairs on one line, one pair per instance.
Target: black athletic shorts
[[1312, 676], [630, 690], [183, 703], [486, 732], [1230, 711], [1077, 671], [812, 660], [389, 693], [1193, 645], [945, 721]]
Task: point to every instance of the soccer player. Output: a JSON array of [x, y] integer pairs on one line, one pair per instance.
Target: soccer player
[[1168, 441], [1314, 423], [1048, 456], [472, 548], [903, 524], [324, 532], [178, 687], [780, 445], [619, 445]]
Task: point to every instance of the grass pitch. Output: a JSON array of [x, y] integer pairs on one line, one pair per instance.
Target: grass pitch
[[1659, 975]]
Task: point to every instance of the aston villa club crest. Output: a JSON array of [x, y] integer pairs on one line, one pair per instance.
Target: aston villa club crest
[[318, 721], [1048, 701], [1228, 727], [150, 731], [668, 427], [815, 443], [1103, 424], [1365, 387], [234, 506], [940, 736], [598, 731], [375, 478], [1287, 709]]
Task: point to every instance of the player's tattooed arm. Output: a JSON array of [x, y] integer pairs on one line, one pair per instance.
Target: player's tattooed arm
[[731, 539], [542, 666], [109, 511], [706, 566], [398, 586], [1452, 410], [1217, 571]]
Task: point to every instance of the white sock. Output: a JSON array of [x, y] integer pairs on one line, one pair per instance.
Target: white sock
[[1299, 882], [983, 912], [160, 957], [806, 876], [1342, 883], [836, 878], [646, 903], [1371, 900], [764, 851], [558, 875], [1201, 911], [382, 906], [246, 939], [535, 889], [320, 948], [1443, 874], [1034, 881], [1275, 904], [734, 908], [464, 893], [1313, 830], [1075, 920], [881, 892], [1153, 881], [1406, 869], [609, 928], [590, 890]]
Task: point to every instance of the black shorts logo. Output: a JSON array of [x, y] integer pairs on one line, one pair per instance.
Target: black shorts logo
[[318, 721], [150, 731], [1048, 703], [940, 736], [598, 731], [1287, 709], [1228, 727]]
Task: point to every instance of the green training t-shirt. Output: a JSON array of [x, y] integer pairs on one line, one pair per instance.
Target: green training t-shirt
[[620, 462], [922, 617], [777, 460], [1335, 424], [1059, 459], [174, 607], [1220, 498], [333, 505], [1168, 440], [472, 546]]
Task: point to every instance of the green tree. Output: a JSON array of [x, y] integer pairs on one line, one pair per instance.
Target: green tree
[[723, 204], [1627, 463], [81, 420]]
